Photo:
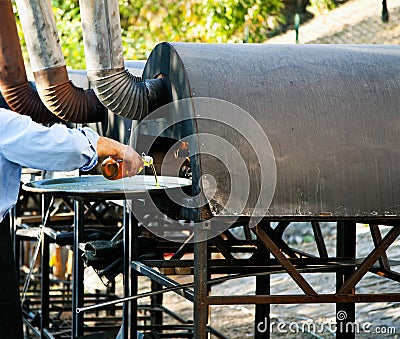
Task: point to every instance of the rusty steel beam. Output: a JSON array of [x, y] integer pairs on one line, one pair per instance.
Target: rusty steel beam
[[291, 270], [319, 239], [377, 238], [370, 260], [302, 299]]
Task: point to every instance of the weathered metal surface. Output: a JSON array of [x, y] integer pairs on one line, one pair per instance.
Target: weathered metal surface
[[102, 35], [330, 113], [39, 26]]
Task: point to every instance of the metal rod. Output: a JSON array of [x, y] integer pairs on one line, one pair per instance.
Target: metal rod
[[377, 238], [269, 243], [130, 298], [77, 286], [262, 310], [370, 260], [332, 297], [171, 289], [345, 247], [161, 279], [45, 272], [200, 288], [302, 299], [181, 250], [319, 239]]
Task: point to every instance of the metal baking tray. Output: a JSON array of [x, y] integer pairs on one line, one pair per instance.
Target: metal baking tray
[[98, 186]]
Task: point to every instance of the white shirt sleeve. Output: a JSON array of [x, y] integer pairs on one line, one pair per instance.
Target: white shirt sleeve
[[55, 148]]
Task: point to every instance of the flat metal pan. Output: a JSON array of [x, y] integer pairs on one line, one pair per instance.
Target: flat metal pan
[[98, 186]]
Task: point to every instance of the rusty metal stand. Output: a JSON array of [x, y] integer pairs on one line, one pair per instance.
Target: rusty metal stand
[[348, 269]]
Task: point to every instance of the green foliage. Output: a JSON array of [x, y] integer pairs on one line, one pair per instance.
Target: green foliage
[[68, 21], [145, 23], [195, 21], [323, 5]]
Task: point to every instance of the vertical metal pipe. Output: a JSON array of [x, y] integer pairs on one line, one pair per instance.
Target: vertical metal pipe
[[200, 289], [42, 41], [45, 270], [130, 277], [14, 85], [122, 93], [262, 319], [77, 280], [156, 316], [346, 247], [102, 35], [57, 92]]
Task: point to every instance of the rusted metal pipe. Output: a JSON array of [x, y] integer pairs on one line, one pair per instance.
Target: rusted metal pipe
[[57, 92], [14, 85], [122, 93]]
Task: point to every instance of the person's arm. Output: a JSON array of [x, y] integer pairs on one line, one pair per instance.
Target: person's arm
[[58, 148]]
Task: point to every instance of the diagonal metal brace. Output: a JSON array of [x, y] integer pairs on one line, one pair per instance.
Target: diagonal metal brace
[[291, 270], [370, 260]]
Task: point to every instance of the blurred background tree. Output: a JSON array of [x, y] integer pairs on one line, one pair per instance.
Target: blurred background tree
[[145, 23]]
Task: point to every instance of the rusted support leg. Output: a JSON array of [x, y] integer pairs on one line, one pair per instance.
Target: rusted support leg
[[377, 238], [45, 271], [346, 247], [224, 250], [130, 277], [200, 289], [276, 235], [156, 300], [276, 252], [323, 253], [280, 228], [262, 320]]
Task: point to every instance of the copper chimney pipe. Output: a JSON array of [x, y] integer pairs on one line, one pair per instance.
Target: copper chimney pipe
[[57, 92], [14, 85]]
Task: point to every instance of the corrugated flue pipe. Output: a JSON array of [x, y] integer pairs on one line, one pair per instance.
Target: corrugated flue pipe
[[122, 93], [57, 92], [14, 85]]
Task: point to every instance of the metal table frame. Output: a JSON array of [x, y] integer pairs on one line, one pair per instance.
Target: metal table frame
[[348, 271], [77, 295], [269, 240]]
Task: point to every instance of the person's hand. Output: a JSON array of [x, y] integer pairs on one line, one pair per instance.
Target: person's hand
[[132, 161]]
